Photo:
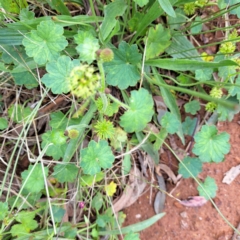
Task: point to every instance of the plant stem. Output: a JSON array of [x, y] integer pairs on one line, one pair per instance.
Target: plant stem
[[118, 102], [102, 76]]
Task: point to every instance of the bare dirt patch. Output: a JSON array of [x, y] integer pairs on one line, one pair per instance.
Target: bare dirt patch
[[202, 222]]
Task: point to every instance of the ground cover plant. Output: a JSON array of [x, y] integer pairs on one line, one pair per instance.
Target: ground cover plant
[[87, 89]]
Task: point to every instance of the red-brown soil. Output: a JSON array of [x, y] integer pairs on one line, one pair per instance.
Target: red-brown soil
[[201, 223]]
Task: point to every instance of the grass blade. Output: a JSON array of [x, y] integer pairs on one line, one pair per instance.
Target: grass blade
[[135, 227]]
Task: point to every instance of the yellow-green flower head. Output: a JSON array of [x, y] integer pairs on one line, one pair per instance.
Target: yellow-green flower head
[[104, 129], [227, 48], [206, 57], [237, 60], [83, 81], [189, 8], [216, 92], [210, 106]]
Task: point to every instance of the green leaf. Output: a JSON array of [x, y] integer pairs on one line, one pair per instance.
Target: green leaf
[[60, 121], [13, 6], [167, 7], [203, 74], [140, 112], [25, 78], [111, 12], [210, 146], [58, 73], [126, 163], [132, 236], [88, 180], [3, 210], [141, 3], [189, 125], [170, 101], [15, 55], [235, 10], [96, 156], [170, 122], [227, 72], [58, 213], [154, 11], [178, 21], [192, 107], [123, 71], [158, 41], [97, 201], [193, 165], [186, 64], [103, 220], [34, 179], [226, 113], [181, 47], [27, 223], [65, 173], [87, 46], [3, 124], [45, 43], [59, 5], [209, 186], [196, 26], [19, 113], [26, 15], [134, 227], [148, 147], [58, 146], [235, 90]]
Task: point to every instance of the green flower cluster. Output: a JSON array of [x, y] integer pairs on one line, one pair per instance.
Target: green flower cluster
[[230, 47], [227, 48], [109, 110], [83, 81], [104, 129], [216, 93], [210, 106], [190, 8]]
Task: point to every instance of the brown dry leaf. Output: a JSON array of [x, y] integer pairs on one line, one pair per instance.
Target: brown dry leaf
[[231, 174], [132, 191], [160, 106], [159, 201], [168, 171], [196, 201]]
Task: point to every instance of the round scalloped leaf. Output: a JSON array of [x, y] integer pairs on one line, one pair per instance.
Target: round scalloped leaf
[[192, 107], [209, 186], [158, 41], [210, 146], [58, 146], [170, 122], [87, 46], [123, 71], [193, 165], [58, 74], [65, 173], [45, 43], [96, 156], [34, 182], [139, 113]]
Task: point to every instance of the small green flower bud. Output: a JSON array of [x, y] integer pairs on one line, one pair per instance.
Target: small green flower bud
[[73, 133], [106, 55]]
